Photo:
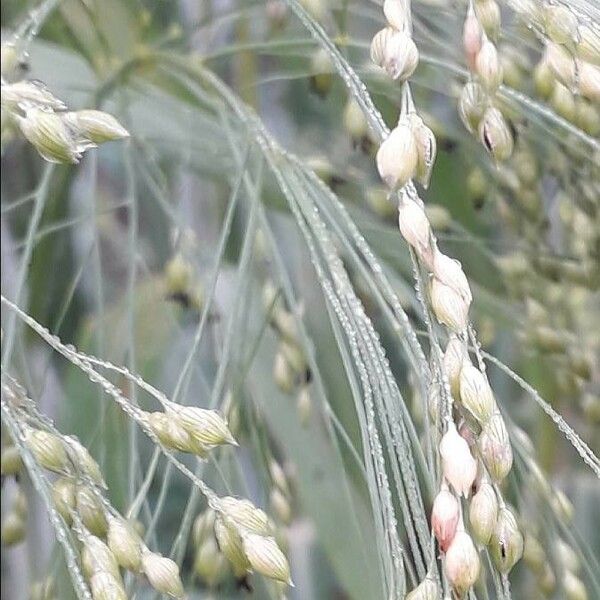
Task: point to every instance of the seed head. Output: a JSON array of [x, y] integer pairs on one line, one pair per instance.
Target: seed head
[[282, 373], [472, 39], [449, 306], [395, 14], [354, 120], [230, 544], [12, 531], [506, 543], [63, 496], [427, 590], [105, 586], [97, 557], [488, 13], [495, 134], [204, 526], [543, 78], [91, 511], [125, 544], [27, 94], [321, 66], [589, 81], [84, 460], [472, 105], [488, 66], [462, 563], [169, 430], [454, 356], [561, 63], [449, 271], [397, 156], [304, 405], [281, 506], [415, 229], [483, 513], [205, 425], [285, 322], [163, 574], [426, 149], [563, 101], [178, 273], [458, 465], [48, 450], [562, 506], [588, 47], [395, 52], [96, 125], [51, 136], [278, 476], [266, 558], [495, 448], [561, 24], [533, 553], [10, 59], [475, 393], [294, 355], [444, 517], [245, 515], [210, 564], [11, 462]]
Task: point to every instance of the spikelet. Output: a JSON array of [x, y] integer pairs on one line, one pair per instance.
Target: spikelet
[[163, 574], [266, 558], [125, 544]]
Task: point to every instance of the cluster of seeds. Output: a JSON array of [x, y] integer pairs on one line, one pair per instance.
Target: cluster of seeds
[[477, 455], [568, 73], [57, 133], [477, 109], [78, 499], [210, 564], [124, 549], [290, 370], [190, 429], [236, 530], [547, 555], [393, 48], [109, 542], [550, 208]]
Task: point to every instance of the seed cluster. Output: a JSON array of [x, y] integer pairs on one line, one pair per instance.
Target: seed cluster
[[238, 534], [478, 111], [476, 456], [109, 542], [290, 369], [58, 134]]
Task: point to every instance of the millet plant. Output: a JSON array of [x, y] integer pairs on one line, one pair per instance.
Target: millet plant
[[300, 299]]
